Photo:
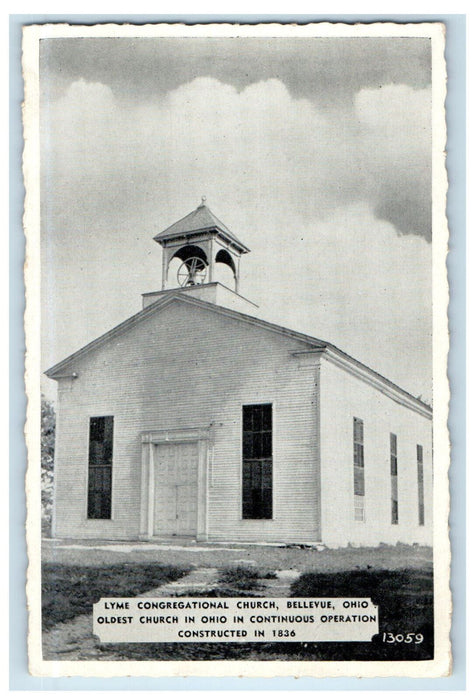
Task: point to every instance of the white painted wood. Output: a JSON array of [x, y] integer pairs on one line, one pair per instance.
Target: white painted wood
[[344, 396], [144, 493], [176, 488], [182, 375]]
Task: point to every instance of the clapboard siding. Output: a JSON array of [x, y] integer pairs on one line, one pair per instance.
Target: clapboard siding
[[188, 367], [344, 397]]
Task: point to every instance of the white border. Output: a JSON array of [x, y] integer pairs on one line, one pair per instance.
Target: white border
[[441, 664]]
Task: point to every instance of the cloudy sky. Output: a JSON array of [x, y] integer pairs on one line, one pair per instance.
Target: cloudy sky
[[316, 153]]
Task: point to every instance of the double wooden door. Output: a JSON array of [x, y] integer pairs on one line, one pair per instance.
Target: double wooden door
[[176, 488]]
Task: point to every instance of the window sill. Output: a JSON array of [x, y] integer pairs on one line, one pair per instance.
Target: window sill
[[256, 520]]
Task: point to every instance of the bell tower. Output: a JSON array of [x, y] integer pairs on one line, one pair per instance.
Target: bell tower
[[200, 241]]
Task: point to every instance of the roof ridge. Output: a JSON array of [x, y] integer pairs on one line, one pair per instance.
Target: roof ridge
[[184, 298], [162, 301]]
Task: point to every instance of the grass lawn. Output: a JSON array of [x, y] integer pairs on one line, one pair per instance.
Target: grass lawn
[[405, 600], [68, 591], [224, 556], [397, 579]]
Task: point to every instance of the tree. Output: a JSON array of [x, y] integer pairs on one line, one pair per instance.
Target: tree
[[48, 427]]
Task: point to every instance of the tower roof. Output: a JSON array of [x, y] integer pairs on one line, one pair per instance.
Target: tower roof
[[198, 221]]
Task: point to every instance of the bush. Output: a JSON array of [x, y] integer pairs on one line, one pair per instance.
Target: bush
[[48, 428]]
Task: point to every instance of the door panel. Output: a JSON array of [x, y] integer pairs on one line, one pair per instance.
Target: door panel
[[176, 479]]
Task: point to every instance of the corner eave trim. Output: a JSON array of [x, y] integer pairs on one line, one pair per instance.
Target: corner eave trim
[[370, 376]]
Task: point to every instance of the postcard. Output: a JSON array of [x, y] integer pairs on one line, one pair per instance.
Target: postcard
[[237, 342]]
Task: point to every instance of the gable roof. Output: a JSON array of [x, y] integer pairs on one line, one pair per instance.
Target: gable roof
[[314, 346], [161, 303], [200, 220]]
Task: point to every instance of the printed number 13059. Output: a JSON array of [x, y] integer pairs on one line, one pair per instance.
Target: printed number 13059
[[409, 638]]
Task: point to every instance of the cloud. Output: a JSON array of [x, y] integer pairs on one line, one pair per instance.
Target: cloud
[[258, 144], [320, 196], [353, 281], [396, 150], [328, 70]]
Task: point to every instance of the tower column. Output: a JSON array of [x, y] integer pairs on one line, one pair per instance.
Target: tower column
[[211, 261], [164, 268], [236, 276]]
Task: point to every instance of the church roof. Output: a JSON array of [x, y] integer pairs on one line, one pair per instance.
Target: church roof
[[314, 345], [200, 220]]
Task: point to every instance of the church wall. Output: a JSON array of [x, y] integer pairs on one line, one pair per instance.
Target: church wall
[[187, 367], [344, 397]]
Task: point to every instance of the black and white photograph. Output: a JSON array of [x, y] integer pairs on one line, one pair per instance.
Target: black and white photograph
[[237, 349]]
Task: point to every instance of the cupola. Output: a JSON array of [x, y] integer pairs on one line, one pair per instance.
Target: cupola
[[195, 250], [200, 241]]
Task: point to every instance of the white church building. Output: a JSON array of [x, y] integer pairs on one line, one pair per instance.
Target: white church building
[[196, 419]]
